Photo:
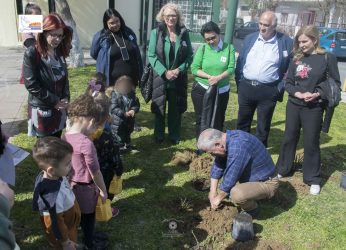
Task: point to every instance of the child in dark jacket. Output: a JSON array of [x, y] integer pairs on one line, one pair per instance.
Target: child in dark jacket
[[124, 106], [107, 149]]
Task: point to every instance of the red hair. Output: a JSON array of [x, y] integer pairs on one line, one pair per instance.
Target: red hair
[[53, 22]]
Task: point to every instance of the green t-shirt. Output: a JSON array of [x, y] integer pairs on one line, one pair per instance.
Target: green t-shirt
[[213, 63]]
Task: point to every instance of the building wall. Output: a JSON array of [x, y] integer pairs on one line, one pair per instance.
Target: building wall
[[88, 17], [8, 28]]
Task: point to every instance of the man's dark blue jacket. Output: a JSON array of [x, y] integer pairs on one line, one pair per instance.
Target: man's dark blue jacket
[[285, 46]]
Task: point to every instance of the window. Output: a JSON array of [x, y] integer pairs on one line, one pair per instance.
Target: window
[[341, 36], [284, 17]]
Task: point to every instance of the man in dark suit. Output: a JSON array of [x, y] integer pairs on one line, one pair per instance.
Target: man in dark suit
[[259, 74]]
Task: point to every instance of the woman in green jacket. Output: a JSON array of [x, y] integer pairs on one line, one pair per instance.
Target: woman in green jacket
[[170, 55], [213, 64]]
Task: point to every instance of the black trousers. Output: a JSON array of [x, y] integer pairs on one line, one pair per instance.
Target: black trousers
[[310, 119], [197, 95], [87, 224], [108, 175], [261, 97]]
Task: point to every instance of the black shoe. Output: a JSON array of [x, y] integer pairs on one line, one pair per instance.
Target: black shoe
[[137, 128], [199, 152], [175, 142], [158, 140]]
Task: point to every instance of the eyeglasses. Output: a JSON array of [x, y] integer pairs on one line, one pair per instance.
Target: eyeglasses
[[212, 38], [56, 36], [170, 16]]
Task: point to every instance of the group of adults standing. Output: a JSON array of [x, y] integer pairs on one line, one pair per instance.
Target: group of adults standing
[[259, 73]]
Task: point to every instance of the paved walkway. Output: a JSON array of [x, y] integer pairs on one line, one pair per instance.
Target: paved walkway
[[13, 96]]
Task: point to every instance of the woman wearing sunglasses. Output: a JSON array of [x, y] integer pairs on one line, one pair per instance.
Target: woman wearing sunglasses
[[45, 77], [213, 64]]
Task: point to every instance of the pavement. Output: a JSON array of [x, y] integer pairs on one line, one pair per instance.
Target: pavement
[[13, 96]]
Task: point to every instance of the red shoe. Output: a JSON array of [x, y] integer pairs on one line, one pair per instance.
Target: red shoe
[[115, 211]]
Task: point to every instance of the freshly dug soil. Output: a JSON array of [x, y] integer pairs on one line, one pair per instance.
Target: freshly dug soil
[[205, 221], [200, 166], [183, 158]]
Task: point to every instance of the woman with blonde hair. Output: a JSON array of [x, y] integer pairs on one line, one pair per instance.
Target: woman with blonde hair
[[306, 101], [170, 55]]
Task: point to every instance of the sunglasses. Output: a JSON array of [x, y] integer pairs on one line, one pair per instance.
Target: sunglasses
[[212, 38]]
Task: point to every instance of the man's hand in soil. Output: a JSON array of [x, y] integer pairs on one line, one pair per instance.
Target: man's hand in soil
[[216, 200]]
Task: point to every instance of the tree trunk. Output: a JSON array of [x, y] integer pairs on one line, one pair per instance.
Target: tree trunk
[[76, 53], [331, 15]]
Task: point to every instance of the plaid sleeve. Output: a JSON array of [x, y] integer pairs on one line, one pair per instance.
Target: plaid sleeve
[[236, 162], [218, 167]]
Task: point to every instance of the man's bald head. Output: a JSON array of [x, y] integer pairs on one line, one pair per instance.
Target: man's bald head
[[208, 138], [267, 24]]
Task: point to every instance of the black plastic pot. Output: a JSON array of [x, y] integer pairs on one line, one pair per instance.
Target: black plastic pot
[[243, 227]]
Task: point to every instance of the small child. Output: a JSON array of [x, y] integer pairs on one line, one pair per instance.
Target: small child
[[96, 86], [107, 148], [53, 197], [124, 106], [85, 176]]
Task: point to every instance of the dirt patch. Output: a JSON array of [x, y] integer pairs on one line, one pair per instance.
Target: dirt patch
[[201, 184], [200, 166], [257, 244], [183, 158], [204, 221]]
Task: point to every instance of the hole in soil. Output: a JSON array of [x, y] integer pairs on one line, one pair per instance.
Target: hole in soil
[[201, 184]]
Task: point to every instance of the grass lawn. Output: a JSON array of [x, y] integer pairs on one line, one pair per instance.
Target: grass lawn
[[155, 190]]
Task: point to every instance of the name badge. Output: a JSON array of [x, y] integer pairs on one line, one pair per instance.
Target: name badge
[[223, 59], [285, 53], [45, 113], [184, 43]]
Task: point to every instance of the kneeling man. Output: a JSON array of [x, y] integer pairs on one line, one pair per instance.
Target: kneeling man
[[240, 157]]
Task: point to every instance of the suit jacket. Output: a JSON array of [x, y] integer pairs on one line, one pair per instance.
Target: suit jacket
[[285, 46]]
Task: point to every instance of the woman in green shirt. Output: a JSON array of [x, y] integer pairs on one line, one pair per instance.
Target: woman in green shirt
[[170, 55], [213, 64]]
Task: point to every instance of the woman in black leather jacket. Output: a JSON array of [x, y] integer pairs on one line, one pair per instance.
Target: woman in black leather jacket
[[46, 79]]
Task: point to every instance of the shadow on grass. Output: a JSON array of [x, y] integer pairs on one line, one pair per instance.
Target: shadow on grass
[[284, 199], [147, 216], [333, 159], [145, 119]]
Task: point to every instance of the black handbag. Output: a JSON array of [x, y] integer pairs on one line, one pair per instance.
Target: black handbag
[[146, 83], [333, 93]]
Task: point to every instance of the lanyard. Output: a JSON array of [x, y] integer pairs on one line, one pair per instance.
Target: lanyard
[[117, 41]]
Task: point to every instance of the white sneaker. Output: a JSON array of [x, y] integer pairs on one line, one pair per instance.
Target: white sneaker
[[279, 176], [315, 189]]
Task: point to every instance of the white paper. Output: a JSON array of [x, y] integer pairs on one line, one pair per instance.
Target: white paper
[[30, 23], [7, 169], [18, 154], [11, 157]]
